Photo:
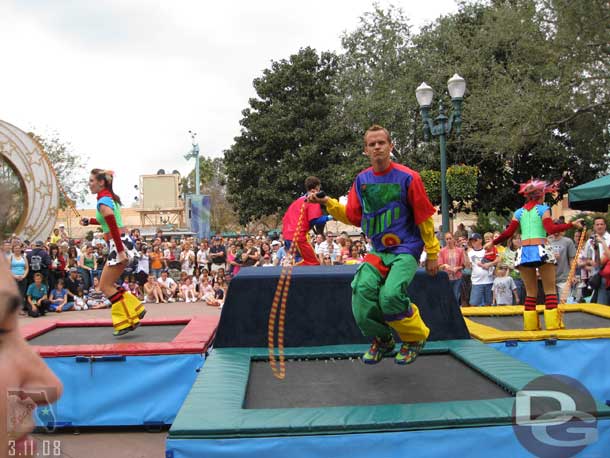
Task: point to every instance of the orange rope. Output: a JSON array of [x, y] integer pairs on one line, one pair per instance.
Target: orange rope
[[279, 301], [568, 285]]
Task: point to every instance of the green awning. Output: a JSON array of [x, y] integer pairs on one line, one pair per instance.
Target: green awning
[[591, 196]]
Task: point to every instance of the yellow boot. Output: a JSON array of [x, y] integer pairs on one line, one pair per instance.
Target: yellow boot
[[553, 319], [120, 320], [135, 307], [531, 321]]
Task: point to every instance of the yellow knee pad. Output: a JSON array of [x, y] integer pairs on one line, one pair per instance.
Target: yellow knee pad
[[531, 321], [553, 319], [411, 329]]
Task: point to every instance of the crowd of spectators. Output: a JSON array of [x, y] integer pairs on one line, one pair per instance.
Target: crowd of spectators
[[62, 273], [480, 277]]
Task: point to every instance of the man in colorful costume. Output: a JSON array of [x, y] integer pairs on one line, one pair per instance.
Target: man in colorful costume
[[389, 202], [309, 215], [534, 220], [127, 310]]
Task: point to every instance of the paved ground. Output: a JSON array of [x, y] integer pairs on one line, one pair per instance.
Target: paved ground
[[113, 443]]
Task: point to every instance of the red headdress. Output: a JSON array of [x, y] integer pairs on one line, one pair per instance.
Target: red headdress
[[535, 189]]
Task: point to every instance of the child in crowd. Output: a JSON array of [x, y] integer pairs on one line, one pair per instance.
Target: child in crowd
[[188, 290], [504, 288], [95, 298], [59, 298], [37, 297], [490, 253], [208, 294], [134, 288], [80, 301]]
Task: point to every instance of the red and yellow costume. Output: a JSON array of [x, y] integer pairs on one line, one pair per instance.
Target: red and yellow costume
[[127, 310]]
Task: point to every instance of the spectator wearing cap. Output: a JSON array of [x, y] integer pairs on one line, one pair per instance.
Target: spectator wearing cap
[[564, 251], [277, 252], [481, 277], [39, 261]]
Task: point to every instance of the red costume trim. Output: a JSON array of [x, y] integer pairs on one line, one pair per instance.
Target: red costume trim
[[94, 221], [552, 228], [377, 263]]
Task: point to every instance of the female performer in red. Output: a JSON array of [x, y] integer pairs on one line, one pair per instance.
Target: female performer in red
[[127, 310]]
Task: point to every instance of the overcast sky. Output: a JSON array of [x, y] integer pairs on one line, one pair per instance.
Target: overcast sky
[[125, 80]]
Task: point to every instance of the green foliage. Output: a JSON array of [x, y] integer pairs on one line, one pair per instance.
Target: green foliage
[[490, 222], [289, 133], [462, 182], [537, 104], [69, 166], [432, 183]]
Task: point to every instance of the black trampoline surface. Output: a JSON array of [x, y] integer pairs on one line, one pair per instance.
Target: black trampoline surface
[[572, 320], [345, 382], [95, 335]]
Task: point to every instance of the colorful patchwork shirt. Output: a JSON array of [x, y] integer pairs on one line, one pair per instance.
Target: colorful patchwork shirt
[[392, 209]]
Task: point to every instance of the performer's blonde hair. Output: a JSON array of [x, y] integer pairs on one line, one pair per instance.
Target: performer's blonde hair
[[377, 128]]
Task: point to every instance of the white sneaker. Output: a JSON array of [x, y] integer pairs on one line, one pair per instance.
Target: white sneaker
[[171, 299], [77, 307], [85, 307]]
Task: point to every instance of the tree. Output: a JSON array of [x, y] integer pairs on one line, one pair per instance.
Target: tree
[[288, 133], [537, 100], [535, 105], [69, 167]]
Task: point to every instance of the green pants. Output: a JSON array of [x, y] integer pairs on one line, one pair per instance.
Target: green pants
[[377, 301]]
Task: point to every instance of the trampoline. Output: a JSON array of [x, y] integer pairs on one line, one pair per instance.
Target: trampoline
[[345, 382], [139, 379], [92, 335], [505, 323], [459, 391]]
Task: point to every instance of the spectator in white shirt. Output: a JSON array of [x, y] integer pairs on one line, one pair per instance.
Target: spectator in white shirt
[[168, 286]]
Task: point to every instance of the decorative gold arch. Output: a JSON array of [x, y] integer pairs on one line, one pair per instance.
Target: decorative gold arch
[[29, 161]]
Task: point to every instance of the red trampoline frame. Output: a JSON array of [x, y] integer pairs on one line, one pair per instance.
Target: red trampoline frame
[[196, 337]]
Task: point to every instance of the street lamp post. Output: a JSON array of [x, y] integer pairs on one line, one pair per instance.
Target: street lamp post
[[424, 93], [194, 153]]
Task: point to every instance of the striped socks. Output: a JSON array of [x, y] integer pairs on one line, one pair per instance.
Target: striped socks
[[550, 301], [530, 303]]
